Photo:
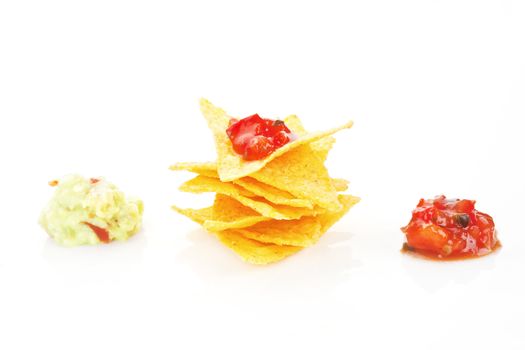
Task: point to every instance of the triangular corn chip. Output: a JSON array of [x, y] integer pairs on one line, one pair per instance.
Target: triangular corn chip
[[269, 242], [231, 166], [207, 169], [226, 213], [197, 215], [340, 185], [255, 252], [302, 232], [330, 218], [229, 213], [321, 147], [303, 174], [201, 184], [271, 193], [258, 188], [251, 251]]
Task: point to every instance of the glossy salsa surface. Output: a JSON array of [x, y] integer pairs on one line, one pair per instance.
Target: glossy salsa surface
[[450, 229], [255, 138]]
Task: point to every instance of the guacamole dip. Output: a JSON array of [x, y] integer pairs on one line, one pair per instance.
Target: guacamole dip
[[90, 211]]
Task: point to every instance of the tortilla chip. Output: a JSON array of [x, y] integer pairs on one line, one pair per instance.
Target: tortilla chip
[[201, 184], [255, 187], [302, 232], [231, 166], [269, 242], [303, 174], [257, 252], [207, 169], [321, 147], [272, 194], [226, 213], [340, 185], [330, 218], [229, 213], [197, 215], [253, 251]]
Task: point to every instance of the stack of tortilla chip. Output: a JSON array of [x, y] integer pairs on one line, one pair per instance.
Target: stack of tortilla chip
[[269, 209]]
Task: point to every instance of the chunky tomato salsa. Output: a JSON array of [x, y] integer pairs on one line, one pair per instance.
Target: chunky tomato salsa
[[450, 228], [255, 138]]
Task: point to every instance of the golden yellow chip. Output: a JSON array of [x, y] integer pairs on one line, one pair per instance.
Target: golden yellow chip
[[302, 232], [321, 147], [229, 213], [269, 242], [197, 215], [250, 250], [255, 252], [272, 194], [226, 213], [340, 185], [330, 218], [303, 174], [207, 169], [230, 165], [256, 187], [202, 184]]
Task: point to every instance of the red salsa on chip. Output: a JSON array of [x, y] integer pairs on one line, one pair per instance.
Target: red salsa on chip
[[450, 229], [255, 138]]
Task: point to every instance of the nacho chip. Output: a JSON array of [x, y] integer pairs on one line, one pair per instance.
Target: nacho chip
[[230, 165], [257, 252], [269, 242], [340, 185], [253, 251], [226, 213], [258, 188], [271, 193], [321, 147], [302, 232], [201, 184], [330, 218], [303, 174], [197, 215], [229, 213], [207, 169]]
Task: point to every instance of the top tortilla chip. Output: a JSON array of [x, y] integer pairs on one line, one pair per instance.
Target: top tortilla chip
[[230, 165], [321, 147]]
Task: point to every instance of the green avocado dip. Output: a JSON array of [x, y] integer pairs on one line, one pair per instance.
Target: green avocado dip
[[90, 211]]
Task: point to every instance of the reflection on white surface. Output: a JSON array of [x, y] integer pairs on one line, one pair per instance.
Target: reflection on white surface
[[433, 275], [130, 251], [313, 271]]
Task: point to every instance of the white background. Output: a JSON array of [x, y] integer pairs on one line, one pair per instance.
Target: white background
[[107, 88]]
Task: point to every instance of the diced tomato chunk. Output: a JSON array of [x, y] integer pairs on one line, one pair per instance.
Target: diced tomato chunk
[[102, 233]]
